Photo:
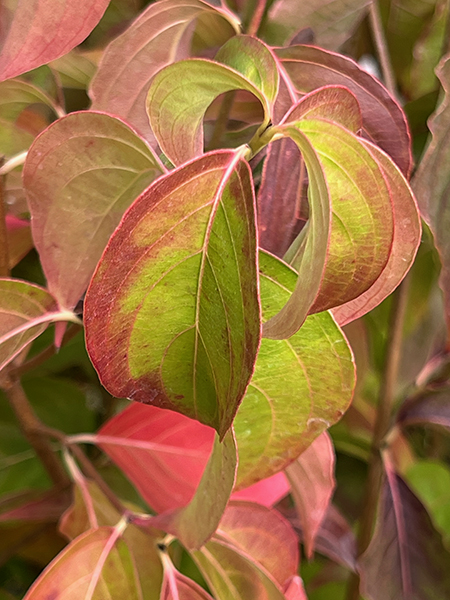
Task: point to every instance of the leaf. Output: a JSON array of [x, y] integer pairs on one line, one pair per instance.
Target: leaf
[[74, 69], [288, 402], [186, 310], [350, 249], [312, 484], [80, 175], [431, 181], [163, 453], [384, 122], [180, 93], [195, 523], [432, 408], [91, 508], [262, 534], [405, 243], [20, 241], [26, 311], [41, 31], [97, 565], [294, 590], [233, 575], [405, 548], [266, 492], [33, 506], [332, 22], [161, 35], [177, 586]]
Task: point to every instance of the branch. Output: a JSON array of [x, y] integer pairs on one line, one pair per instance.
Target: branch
[[382, 48]]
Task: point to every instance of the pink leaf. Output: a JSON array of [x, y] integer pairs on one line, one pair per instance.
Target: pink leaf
[[294, 589], [266, 492], [43, 30], [177, 586], [312, 482], [163, 452]]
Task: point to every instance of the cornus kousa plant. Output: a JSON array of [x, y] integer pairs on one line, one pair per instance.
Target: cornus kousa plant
[[212, 191]]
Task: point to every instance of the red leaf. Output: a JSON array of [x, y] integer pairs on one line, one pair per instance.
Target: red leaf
[[43, 30], [406, 549], [432, 408], [266, 492], [163, 453], [312, 482], [264, 535]]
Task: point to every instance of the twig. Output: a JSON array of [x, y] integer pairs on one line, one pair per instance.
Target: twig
[[256, 19], [35, 432], [382, 49], [4, 252], [384, 408]]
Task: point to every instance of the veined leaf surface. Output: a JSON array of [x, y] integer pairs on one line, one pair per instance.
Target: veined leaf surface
[[172, 313], [26, 310], [162, 34], [80, 176], [288, 402], [42, 30], [180, 94]]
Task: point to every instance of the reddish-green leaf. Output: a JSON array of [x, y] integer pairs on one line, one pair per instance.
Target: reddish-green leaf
[[160, 35], [180, 94], [163, 453], [350, 248], [195, 523], [80, 175], [95, 566], [172, 313], [312, 483], [20, 241], [331, 22], [34, 506], [405, 548], [177, 586], [431, 181], [264, 535], [42, 30], [384, 122], [26, 310], [289, 402], [405, 243]]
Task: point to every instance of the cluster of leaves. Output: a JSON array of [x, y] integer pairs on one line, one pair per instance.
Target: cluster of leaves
[[225, 205]]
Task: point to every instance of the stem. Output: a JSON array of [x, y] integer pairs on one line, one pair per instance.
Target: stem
[[256, 18], [4, 252], [385, 401], [382, 48], [13, 162], [35, 432]]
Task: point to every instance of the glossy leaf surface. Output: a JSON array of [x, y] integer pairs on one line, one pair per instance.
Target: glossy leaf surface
[[312, 483], [262, 534], [288, 402], [92, 567], [159, 36], [181, 302], [180, 94], [405, 548], [384, 122], [42, 30], [26, 310], [162, 452], [80, 176], [331, 22]]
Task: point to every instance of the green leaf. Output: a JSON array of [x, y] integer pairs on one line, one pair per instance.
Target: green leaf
[[80, 175], [160, 35], [26, 311], [97, 565], [289, 402], [180, 94], [172, 313], [195, 523]]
